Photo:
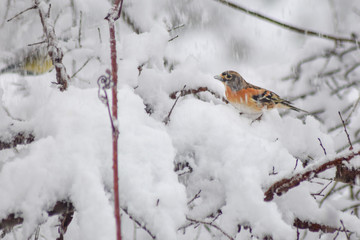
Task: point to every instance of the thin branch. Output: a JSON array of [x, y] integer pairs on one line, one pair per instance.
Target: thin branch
[[152, 235], [211, 225], [321, 145], [173, 38], [283, 185], [347, 134], [80, 26], [167, 119], [321, 191], [195, 197], [346, 232], [85, 63], [337, 39], [28, 9]]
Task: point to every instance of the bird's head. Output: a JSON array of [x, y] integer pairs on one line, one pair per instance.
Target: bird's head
[[232, 79]]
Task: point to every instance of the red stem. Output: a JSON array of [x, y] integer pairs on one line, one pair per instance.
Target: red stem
[[111, 19]]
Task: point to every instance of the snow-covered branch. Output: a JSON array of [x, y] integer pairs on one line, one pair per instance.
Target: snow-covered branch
[[286, 184], [55, 52]]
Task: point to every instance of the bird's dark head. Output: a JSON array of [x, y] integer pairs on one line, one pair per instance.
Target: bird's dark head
[[232, 79]]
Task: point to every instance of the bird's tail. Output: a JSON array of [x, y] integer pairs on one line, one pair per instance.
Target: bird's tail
[[288, 104]]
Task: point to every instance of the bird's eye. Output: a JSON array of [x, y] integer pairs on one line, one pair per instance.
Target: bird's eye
[[228, 76]]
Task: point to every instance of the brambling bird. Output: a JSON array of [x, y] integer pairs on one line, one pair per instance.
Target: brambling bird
[[29, 61], [249, 98]]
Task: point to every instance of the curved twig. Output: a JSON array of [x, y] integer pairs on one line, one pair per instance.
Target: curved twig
[[337, 39]]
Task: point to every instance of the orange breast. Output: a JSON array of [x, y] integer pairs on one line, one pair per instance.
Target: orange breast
[[243, 98]]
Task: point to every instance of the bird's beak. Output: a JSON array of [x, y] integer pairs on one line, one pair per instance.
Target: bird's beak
[[218, 77]]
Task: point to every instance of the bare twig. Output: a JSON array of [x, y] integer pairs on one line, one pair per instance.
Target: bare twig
[[321, 191], [321, 145], [211, 225], [37, 43], [173, 38], [286, 184], [143, 226], [28, 9], [347, 134], [167, 119], [353, 109], [85, 63], [177, 27], [337, 39], [80, 26], [195, 197], [346, 232]]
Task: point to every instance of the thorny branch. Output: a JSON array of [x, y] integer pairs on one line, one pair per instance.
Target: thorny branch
[[286, 184], [337, 39]]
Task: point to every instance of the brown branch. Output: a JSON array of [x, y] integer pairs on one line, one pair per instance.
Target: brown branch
[[195, 91], [30, 8], [19, 138], [286, 184], [167, 119], [347, 134], [314, 227], [306, 32], [346, 175], [55, 52]]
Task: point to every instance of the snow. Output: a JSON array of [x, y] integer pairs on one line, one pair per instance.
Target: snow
[[229, 160]]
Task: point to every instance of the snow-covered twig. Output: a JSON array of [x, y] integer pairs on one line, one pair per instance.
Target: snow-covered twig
[[307, 32], [286, 184], [315, 227], [55, 52], [195, 91], [139, 223]]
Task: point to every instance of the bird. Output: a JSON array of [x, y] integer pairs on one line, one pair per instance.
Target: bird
[[29, 61], [251, 99]]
